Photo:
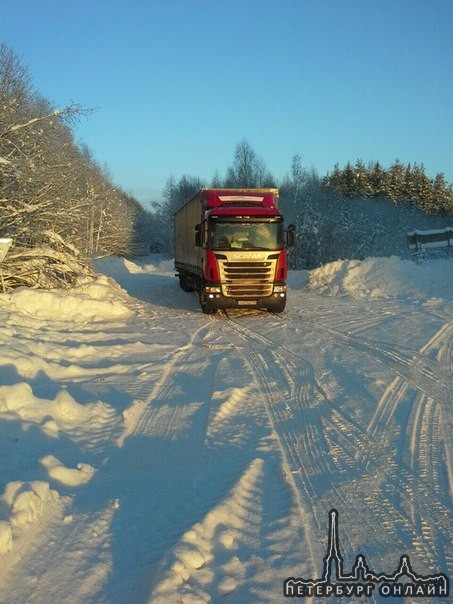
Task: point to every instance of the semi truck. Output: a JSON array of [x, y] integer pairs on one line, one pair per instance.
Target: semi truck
[[230, 247]]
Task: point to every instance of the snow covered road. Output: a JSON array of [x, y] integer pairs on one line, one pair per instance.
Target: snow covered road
[[150, 453]]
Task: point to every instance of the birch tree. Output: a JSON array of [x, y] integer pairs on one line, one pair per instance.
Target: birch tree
[[56, 203]]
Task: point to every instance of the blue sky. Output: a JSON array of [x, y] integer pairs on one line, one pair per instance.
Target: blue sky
[[178, 83]]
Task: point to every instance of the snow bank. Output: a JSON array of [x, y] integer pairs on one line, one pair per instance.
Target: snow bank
[[118, 268], [385, 278], [61, 413], [390, 277], [94, 301], [25, 503], [29, 427], [73, 477]]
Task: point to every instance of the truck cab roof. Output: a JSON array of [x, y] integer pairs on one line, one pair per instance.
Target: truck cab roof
[[234, 198]]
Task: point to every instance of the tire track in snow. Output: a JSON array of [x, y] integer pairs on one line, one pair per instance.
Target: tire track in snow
[[383, 471], [414, 367], [202, 423], [445, 357], [138, 489], [240, 547], [315, 471], [293, 401], [341, 427], [431, 371], [425, 433], [384, 408], [140, 416], [411, 432], [243, 502]]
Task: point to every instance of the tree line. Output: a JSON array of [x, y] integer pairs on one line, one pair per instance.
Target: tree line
[[332, 221], [399, 183], [56, 202]]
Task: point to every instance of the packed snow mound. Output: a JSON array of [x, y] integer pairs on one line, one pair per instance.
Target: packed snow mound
[[116, 266], [96, 300], [385, 278], [62, 413], [119, 268], [69, 476], [26, 502]]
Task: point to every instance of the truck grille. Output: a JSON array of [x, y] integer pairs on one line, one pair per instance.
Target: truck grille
[[247, 279]]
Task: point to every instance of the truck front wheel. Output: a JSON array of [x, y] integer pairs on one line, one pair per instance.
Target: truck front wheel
[[205, 305], [279, 308]]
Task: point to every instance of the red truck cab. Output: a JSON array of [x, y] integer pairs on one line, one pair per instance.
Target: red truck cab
[[231, 248]]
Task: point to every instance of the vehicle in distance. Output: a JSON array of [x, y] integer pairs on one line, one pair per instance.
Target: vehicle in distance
[[230, 247]]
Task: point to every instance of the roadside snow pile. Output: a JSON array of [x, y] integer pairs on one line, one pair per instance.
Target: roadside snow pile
[[52, 432], [30, 426], [26, 503], [385, 278], [115, 266], [63, 413], [73, 477], [94, 301], [119, 268], [164, 266]]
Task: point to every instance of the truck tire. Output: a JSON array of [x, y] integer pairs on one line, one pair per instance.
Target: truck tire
[[278, 309], [183, 283], [205, 306]]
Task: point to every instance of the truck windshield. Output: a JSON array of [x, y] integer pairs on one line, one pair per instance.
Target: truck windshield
[[246, 236]]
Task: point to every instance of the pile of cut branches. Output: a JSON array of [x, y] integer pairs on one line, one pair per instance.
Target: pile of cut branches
[[53, 264]]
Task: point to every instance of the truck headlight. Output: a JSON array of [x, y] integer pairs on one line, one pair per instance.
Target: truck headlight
[[279, 289], [212, 290]]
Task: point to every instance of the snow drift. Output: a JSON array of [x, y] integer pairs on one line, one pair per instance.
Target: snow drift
[[384, 278]]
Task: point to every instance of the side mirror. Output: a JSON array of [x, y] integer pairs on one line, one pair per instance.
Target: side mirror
[[290, 235], [198, 233]]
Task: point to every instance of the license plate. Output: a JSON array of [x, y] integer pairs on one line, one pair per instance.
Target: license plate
[[246, 302]]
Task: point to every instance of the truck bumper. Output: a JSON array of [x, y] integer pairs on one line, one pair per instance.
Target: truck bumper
[[274, 303]]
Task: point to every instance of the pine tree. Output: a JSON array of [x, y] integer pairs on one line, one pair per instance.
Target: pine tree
[[395, 186], [362, 183], [378, 180], [349, 181], [439, 194]]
